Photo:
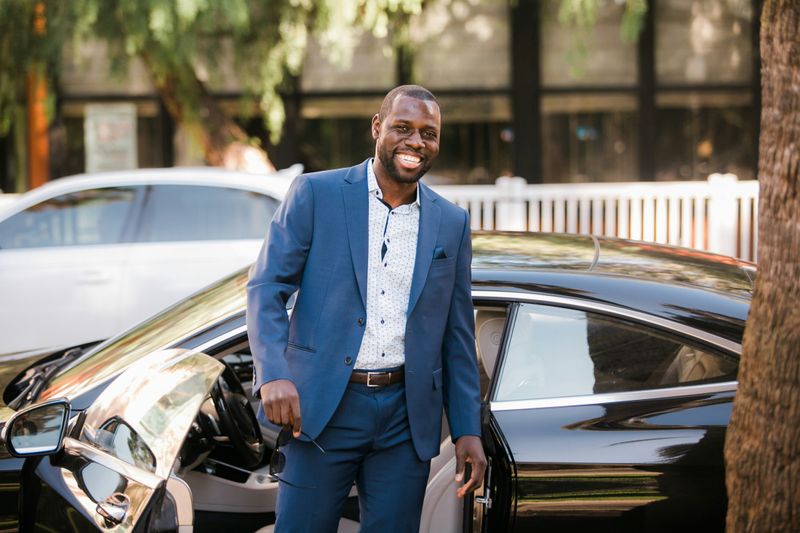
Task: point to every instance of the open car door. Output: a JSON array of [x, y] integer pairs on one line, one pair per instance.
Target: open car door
[[115, 470]]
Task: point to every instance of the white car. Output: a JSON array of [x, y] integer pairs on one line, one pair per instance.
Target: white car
[[6, 199], [84, 257]]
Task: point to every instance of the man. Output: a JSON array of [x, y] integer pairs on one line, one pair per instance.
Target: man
[[381, 334]]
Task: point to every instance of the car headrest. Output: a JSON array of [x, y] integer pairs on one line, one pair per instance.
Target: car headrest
[[489, 326]]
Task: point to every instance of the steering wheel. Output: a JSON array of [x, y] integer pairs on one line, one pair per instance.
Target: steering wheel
[[237, 419]]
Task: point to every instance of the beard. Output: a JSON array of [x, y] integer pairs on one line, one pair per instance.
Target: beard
[[388, 163]]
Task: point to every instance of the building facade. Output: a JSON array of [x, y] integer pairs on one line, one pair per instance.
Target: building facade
[[521, 94]]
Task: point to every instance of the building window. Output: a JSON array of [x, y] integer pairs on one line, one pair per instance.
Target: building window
[[370, 67], [589, 138], [704, 41], [701, 133], [589, 131], [476, 140], [599, 59], [705, 116], [336, 131], [462, 45]]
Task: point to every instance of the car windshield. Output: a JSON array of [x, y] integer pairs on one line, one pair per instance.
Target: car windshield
[[163, 330]]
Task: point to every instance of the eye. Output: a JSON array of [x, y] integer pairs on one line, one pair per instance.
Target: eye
[[429, 134]]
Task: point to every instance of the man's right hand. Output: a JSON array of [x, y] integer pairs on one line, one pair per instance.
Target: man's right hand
[[282, 404]]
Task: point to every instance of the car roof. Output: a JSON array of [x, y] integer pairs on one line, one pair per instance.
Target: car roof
[[700, 289], [275, 184]]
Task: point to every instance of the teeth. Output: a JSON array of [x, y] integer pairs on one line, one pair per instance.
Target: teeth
[[409, 158]]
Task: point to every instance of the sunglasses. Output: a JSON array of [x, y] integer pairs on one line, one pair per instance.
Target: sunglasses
[[278, 460]]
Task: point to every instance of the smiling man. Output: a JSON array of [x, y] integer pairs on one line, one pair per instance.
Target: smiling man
[[381, 335]]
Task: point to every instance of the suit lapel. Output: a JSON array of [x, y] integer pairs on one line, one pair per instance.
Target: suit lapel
[[429, 217], [356, 210]]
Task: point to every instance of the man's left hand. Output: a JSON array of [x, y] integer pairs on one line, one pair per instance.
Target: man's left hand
[[469, 450]]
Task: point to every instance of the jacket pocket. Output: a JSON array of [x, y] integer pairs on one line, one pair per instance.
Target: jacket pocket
[[437, 379], [300, 347], [443, 262]]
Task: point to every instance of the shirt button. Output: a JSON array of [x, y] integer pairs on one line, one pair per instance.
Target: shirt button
[[381, 321], [348, 360], [360, 321], [383, 291]]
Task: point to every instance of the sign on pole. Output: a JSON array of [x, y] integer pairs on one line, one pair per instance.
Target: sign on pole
[[110, 137]]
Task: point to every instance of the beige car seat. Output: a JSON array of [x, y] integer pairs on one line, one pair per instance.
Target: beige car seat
[[489, 325], [691, 364]]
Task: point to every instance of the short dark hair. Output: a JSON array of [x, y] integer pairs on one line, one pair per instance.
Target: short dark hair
[[413, 91]]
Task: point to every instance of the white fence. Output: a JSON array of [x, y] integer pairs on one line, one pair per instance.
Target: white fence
[[719, 215]]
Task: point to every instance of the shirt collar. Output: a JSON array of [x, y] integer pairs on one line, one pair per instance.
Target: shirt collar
[[372, 184]]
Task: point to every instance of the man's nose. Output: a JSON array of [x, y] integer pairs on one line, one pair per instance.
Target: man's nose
[[414, 139]]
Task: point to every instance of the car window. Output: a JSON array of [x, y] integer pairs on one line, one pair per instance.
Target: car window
[[555, 352], [202, 213], [94, 216]]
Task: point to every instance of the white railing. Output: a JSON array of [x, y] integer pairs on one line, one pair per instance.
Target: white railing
[[718, 215]]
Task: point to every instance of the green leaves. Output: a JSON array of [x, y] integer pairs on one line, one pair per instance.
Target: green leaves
[[633, 20], [184, 39], [580, 16]]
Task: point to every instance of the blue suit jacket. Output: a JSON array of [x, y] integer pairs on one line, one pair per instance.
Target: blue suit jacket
[[317, 243]]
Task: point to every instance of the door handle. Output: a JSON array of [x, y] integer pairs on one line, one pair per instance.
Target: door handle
[[94, 277], [486, 499], [114, 508]]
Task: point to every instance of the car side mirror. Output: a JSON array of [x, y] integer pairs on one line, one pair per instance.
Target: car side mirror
[[37, 430]]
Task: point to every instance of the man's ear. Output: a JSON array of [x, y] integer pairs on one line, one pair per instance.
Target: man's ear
[[376, 126]]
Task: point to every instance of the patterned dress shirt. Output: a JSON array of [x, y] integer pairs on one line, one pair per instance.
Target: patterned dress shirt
[[392, 254]]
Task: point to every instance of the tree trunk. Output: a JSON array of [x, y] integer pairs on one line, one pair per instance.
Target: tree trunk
[[762, 451], [224, 142]]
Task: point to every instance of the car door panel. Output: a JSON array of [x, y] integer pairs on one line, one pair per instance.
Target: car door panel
[[10, 469], [627, 466], [159, 274], [609, 425], [492, 506], [61, 263], [80, 497], [49, 294], [114, 469]]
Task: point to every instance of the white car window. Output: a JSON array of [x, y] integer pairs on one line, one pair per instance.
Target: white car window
[[556, 352], [201, 213], [94, 216]]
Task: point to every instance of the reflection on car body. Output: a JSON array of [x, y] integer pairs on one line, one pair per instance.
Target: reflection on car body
[[608, 368]]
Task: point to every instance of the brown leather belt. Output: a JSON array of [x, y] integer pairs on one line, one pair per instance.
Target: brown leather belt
[[377, 379]]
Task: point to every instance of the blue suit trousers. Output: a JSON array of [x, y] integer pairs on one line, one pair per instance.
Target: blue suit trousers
[[367, 441]]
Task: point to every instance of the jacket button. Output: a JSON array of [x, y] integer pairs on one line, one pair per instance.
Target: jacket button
[[360, 321], [348, 360]]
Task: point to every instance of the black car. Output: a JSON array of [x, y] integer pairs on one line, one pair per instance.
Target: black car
[[608, 369]]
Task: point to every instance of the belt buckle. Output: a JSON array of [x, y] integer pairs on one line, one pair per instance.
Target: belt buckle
[[376, 374]]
